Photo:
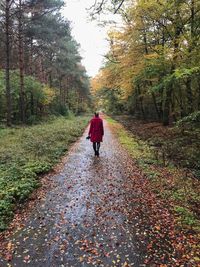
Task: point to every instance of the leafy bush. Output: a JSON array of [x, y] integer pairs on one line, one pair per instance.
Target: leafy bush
[[6, 213], [192, 120]]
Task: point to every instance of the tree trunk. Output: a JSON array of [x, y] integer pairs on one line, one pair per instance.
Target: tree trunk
[[173, 107], [8, 94], [177, 32], [21, 63], [141, 103], [156, 106], [166, 108], [61, 91], [192, 29], [179, 100], [31, 73], [145, 40], [199, 95], [189, 95], [190, 48]]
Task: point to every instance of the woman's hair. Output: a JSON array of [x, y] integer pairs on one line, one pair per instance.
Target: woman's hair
[[96, 114]]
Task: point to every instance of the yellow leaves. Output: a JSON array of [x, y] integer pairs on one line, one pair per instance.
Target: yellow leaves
[[151, 56], [114, 34], [125, 60], [125, 264], [9, 254], [49, 94], [107, 78], [9, 246], [134, 47], [81, 259], [96, 83]]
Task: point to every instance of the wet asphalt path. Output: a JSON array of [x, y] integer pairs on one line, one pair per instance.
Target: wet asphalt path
[[84, 219]]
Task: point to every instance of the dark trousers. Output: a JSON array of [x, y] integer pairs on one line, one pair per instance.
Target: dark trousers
[[96, 146]]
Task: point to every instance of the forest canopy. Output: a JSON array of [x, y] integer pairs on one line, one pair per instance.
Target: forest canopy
[[40, 66], [152, 68]]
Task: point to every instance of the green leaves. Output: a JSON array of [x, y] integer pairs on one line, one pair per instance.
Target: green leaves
[[191, 121], [186, 216], [28, 152], [186, 72]]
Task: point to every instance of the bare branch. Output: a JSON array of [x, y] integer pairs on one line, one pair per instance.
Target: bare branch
[[111, 60], [119, 6], [100, 7], [93, 6]]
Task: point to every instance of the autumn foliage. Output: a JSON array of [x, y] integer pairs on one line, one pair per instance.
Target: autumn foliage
[[152, 67]]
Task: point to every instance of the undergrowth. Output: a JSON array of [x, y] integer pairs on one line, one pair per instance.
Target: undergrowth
[[179, 144], [27, 152], [169, 182]]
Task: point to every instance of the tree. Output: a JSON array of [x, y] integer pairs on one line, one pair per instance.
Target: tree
[[6, 10], [100, 6], [39, 48], [153, 59]]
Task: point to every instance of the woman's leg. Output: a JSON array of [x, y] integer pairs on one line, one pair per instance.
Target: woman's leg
[[98, 147], [94, 147]]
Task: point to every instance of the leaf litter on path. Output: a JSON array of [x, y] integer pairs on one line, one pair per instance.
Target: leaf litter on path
[[97, 212]]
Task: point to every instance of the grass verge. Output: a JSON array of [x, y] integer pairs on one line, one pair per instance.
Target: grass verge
[[169, 182], [27, 152], [179, 144]]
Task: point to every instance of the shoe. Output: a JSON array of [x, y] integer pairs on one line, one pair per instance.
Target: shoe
[[97, 153]]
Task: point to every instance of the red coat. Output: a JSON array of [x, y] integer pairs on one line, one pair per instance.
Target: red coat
[[96, 131]]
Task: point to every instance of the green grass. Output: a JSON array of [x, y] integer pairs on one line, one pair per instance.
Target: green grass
[[166, 181], [27, 152], [110, 120], [185, 216]]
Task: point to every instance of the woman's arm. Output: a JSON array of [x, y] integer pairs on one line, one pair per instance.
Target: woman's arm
[[102, 129], [91, 127]]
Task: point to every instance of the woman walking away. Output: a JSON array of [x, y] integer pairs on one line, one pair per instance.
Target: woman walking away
[[96, 132]]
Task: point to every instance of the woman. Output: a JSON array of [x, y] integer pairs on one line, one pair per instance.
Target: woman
[[96, 132]]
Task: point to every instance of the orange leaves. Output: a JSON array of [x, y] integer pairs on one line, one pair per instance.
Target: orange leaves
[[9, 251], [9, 246], [157, 227]]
